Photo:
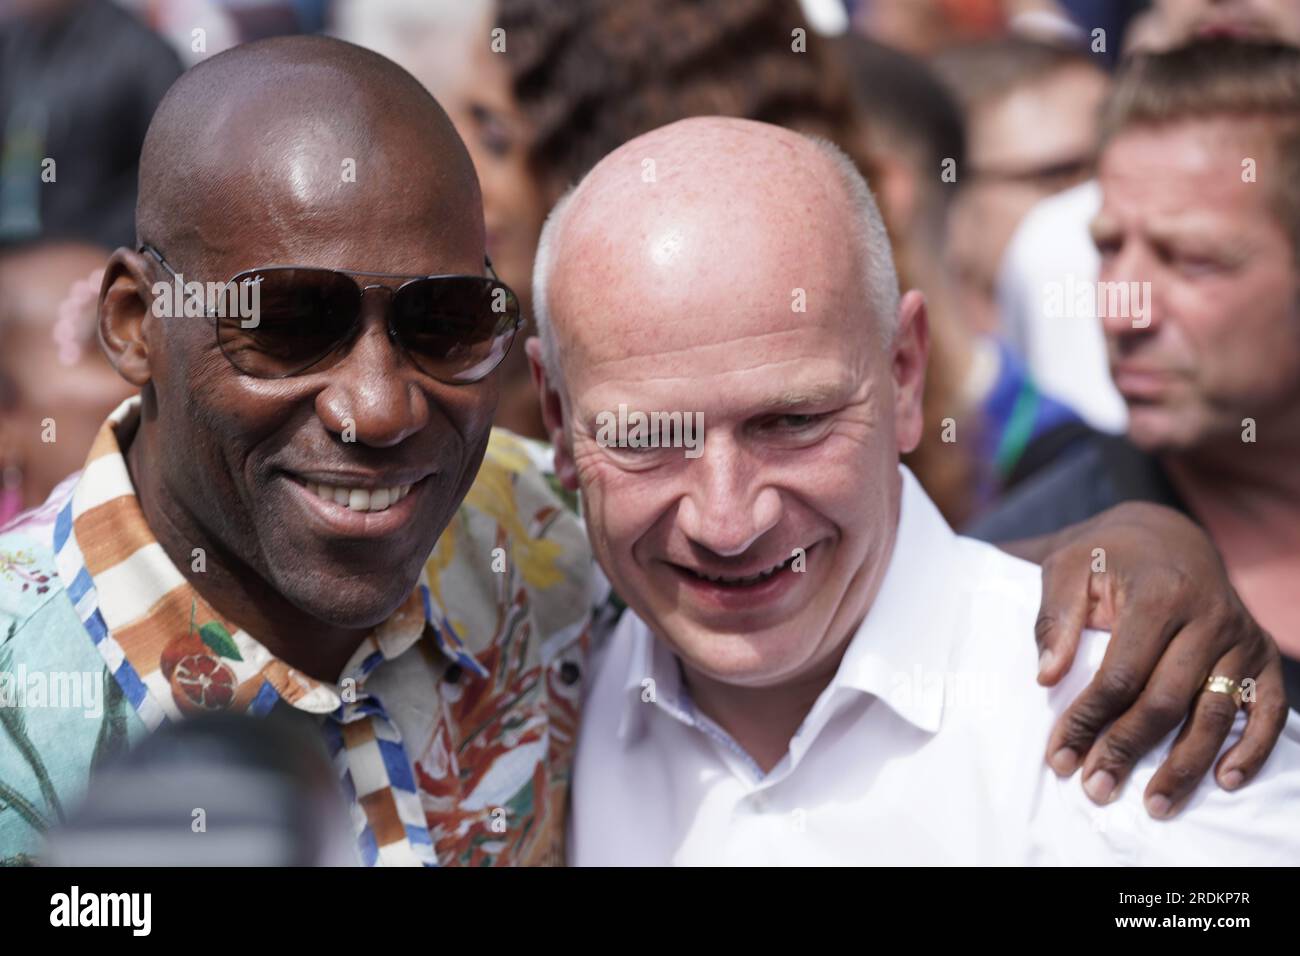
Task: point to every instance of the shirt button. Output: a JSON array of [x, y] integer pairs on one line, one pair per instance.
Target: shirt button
[[570, 673], [452, 674]]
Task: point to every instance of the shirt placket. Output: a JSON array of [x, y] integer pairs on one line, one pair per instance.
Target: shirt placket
[[377, 778]]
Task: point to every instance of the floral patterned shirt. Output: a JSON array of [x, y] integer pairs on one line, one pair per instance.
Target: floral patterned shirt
[[453, 725]]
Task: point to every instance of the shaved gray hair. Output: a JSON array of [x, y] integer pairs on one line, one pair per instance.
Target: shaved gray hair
[[876, 260]]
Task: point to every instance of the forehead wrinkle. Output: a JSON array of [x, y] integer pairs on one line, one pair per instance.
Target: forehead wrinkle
[[654, 354], [845, 383]]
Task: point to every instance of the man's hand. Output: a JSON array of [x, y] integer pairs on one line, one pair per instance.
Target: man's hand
[[1175, 621]]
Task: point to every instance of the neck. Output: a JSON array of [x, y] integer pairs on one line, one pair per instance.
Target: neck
[[761, 719], [1250, 506], [235, 589], [1253, 484]]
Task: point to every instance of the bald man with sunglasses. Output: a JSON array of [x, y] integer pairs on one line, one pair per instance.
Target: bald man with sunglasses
[[306, 508]]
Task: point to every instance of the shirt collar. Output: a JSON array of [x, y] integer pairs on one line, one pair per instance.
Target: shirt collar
[[899, 653], [653, 678], [172, 652], [901, 650]]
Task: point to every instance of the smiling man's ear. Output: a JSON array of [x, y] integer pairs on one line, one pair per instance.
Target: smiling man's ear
[[911, 350], [552, 415], [126, 315]]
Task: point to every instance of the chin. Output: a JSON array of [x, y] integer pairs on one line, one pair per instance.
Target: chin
[[355, 603], [1160, 432], [744, 660]]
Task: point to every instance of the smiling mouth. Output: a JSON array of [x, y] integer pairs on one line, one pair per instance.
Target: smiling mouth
[[732, 581], [357, 499]]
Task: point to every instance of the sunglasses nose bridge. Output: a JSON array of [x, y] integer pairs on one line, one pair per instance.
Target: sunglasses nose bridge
[[387, 295]]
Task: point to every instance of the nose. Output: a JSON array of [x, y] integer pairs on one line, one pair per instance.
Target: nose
[[1126, 281], [375, 395], [727, 506]]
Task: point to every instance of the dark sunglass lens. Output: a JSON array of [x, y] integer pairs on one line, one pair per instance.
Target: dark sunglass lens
[[457, 328], [287, 320]]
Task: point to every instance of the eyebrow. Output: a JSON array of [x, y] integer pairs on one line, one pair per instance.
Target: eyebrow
[[1185, 233], [820, 394]]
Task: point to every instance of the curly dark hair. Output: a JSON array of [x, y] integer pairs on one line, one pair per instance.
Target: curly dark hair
[[592, 74]]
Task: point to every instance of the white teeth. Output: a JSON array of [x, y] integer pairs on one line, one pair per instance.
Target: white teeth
[[752, 579], [360, 499]]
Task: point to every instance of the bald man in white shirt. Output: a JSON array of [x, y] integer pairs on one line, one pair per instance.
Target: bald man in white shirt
[[813, 668]]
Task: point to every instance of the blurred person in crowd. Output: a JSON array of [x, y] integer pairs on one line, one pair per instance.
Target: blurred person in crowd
[[1209, 367], [1052, 247], [268, 485], [1030, 112], [794, 572], [55, 386], [79, 80], [923, 26], [916, 134], [199, 29], [926, 27]]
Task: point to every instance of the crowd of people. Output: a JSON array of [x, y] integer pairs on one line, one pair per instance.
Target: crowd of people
[[1026, 269]]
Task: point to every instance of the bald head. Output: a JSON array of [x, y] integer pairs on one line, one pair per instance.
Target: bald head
[[739, 206], [302, 128]]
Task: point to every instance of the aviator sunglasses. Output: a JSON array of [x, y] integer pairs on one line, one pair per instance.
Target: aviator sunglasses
[[454, 328]]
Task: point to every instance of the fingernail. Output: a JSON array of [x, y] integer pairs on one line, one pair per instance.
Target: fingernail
[[1158, 805], [1045, 659], [1100, 786], [1232, 779], [1065, 761]]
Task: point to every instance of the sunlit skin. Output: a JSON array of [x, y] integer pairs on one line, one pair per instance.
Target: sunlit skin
[[219, 456], [1221, 357], [678, 295]]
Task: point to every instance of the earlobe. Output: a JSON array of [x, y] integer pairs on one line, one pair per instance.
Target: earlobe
[[125, 314]]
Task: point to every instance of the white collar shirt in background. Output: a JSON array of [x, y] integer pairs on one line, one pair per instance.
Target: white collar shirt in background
[[1048, 317]]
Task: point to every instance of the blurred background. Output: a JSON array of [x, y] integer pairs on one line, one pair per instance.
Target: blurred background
[[974, 120]]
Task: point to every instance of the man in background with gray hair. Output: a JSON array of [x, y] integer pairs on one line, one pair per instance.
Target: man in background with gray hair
[[814, 668]]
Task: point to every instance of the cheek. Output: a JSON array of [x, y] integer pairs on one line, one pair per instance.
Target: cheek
[[621, 508], [848, 488], [472, 408], [1233, 341]]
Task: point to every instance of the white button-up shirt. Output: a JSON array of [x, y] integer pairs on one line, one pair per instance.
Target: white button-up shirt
[[927, 747]]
